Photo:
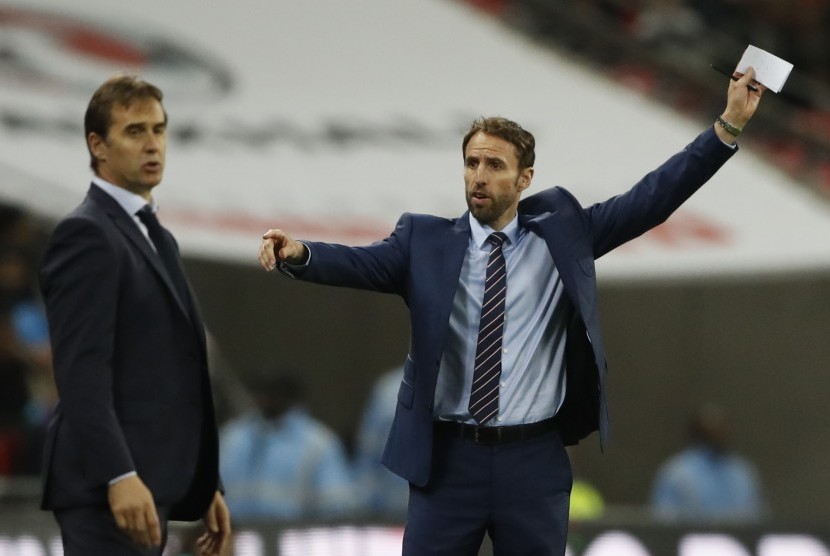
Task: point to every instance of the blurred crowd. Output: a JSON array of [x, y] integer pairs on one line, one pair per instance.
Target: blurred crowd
[[664, 49], [27, 393]]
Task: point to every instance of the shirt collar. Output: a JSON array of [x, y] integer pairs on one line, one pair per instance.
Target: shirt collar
[[128, 200], [480, 232]]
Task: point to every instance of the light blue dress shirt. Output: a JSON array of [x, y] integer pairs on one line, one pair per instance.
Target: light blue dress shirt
[[533, 347], [289, 468], [702, 484]]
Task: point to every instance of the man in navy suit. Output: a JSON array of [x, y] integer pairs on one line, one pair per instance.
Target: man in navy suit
[[504, 472], [133, 440]]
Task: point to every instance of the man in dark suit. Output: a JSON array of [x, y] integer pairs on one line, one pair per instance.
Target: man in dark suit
[[495, 385], [133, 441]]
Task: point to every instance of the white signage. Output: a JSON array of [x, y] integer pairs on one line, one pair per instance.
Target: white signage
[[329, 119]]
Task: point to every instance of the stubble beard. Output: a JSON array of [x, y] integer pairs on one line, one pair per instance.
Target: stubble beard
[[490, 213]]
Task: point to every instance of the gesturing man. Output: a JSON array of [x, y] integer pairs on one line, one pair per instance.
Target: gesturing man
[[506, 364]]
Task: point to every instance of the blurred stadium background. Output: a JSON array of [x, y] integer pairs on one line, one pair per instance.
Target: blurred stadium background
[[329, 119]]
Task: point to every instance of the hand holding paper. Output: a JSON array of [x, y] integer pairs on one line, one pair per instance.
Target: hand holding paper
[[770, 70], [756, 72], [741, 103]]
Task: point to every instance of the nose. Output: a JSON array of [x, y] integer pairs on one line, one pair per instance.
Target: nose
[[479, 177], [153, 143]]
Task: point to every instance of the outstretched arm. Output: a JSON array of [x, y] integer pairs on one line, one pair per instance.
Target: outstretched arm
[[654, 198]]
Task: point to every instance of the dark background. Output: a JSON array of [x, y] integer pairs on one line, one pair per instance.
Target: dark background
[[757, 346]]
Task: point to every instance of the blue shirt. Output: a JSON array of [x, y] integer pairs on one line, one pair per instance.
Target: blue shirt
[[289, 468], [533, 347], [700, 483]]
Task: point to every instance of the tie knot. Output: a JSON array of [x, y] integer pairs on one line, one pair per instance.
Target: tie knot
[[497, 238], [146, 215]]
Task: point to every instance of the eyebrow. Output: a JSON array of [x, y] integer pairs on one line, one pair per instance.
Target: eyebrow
[[144, 125], [498, 159]]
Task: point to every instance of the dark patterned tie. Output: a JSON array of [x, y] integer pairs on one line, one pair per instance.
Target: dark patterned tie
[[484, 395], [166, 251]]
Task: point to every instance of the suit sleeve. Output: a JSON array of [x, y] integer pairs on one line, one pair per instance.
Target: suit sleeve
[[79, 280], [381, 266], [655, 197]]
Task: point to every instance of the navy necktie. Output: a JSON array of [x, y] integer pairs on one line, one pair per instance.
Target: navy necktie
[[166, 250], [484, 395]]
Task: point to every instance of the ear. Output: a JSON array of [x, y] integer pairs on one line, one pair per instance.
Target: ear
[[525, 177], [97, 146]]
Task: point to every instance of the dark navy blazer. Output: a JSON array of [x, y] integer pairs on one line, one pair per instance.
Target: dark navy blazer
[[421, 262], [130, 363]]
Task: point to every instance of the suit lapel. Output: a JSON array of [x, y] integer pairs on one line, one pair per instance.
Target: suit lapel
[[450, 257], [128, 227], [455, 246], [551, 227]]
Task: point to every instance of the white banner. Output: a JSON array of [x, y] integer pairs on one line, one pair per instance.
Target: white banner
[[329, 119]]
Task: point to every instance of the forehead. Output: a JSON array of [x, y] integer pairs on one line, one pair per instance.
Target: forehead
[[483, 145], [140, 111]]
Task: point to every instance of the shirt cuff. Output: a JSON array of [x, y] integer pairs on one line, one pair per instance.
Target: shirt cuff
[[122, 477], [292, 269], [733, 145]]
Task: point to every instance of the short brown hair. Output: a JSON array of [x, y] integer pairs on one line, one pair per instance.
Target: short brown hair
[[511, 132], [120, 89]]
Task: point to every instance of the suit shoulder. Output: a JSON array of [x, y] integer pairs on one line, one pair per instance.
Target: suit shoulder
[[427, 218], [81, 238], [80, 224], [548, 200], [87, 213], [426, 221], [557, 193]]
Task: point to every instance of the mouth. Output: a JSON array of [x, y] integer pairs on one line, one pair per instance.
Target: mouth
[[478, 198]]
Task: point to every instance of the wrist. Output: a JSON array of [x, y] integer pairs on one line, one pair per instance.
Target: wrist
[[731, 128]]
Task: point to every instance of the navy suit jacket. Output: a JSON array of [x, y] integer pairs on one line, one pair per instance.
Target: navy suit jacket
[[421, 262], [130, 364]]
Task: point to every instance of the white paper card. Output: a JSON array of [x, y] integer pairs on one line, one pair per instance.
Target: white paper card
[[770, 70]]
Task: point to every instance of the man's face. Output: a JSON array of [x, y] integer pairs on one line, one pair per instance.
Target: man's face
[[493, 182], [132, 156]]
